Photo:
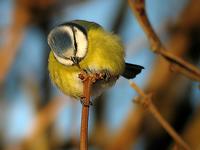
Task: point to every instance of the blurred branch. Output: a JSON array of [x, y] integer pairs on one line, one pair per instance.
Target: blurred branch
[[13, 40], [164, 84], [44, 118], [175, 105], [179, 65], [192, 133], [120, 15], [128, 133], [146, 101], [100, 130]]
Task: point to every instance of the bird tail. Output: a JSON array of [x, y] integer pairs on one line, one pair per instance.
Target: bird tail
[[131, 70]]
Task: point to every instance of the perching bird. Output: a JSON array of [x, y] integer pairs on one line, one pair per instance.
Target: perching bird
[[82, 45]]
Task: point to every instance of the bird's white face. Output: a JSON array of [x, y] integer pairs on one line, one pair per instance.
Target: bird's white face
[[69, 43]]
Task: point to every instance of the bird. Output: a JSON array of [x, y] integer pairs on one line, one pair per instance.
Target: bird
[[81, 45]]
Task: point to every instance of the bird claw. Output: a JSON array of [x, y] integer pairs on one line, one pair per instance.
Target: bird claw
[[84, 103], [107, 75], [98, 75], [104, 75], [82, 75]]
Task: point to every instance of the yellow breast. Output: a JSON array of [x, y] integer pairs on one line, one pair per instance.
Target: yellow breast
[[65, 77]]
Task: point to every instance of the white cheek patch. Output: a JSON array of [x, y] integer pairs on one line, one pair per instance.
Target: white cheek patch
[[63, 61], [82, 43]]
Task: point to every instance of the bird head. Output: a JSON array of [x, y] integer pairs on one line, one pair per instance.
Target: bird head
[[69, 41]]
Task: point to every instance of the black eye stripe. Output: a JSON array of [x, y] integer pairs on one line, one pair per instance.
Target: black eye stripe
[[75, 43]]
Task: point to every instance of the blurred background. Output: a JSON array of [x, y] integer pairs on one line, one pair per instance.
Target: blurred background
[[34, 115]]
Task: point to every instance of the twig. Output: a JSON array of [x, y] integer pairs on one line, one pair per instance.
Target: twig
[[178, 64], [88, 80], [85, 114], [145, 100]]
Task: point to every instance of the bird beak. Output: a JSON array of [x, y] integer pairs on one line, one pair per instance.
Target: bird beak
[[75, 60]]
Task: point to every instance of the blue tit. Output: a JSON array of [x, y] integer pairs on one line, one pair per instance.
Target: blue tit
[[82, 45]]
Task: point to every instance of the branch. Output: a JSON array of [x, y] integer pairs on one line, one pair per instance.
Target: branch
[[146, 101], [88, 80], [178, 64], [85, 114], [191, 132]]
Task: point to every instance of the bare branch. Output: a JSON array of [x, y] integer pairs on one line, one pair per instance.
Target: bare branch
[[146, 101], [88, 80], [179, 65]]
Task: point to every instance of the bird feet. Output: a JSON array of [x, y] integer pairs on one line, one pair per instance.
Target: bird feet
[[106, 75], [84, 103], [96, 75]]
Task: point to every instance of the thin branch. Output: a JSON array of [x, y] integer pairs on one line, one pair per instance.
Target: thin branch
[[178, 64], [88, 80], [146, 101], [85, 114]]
